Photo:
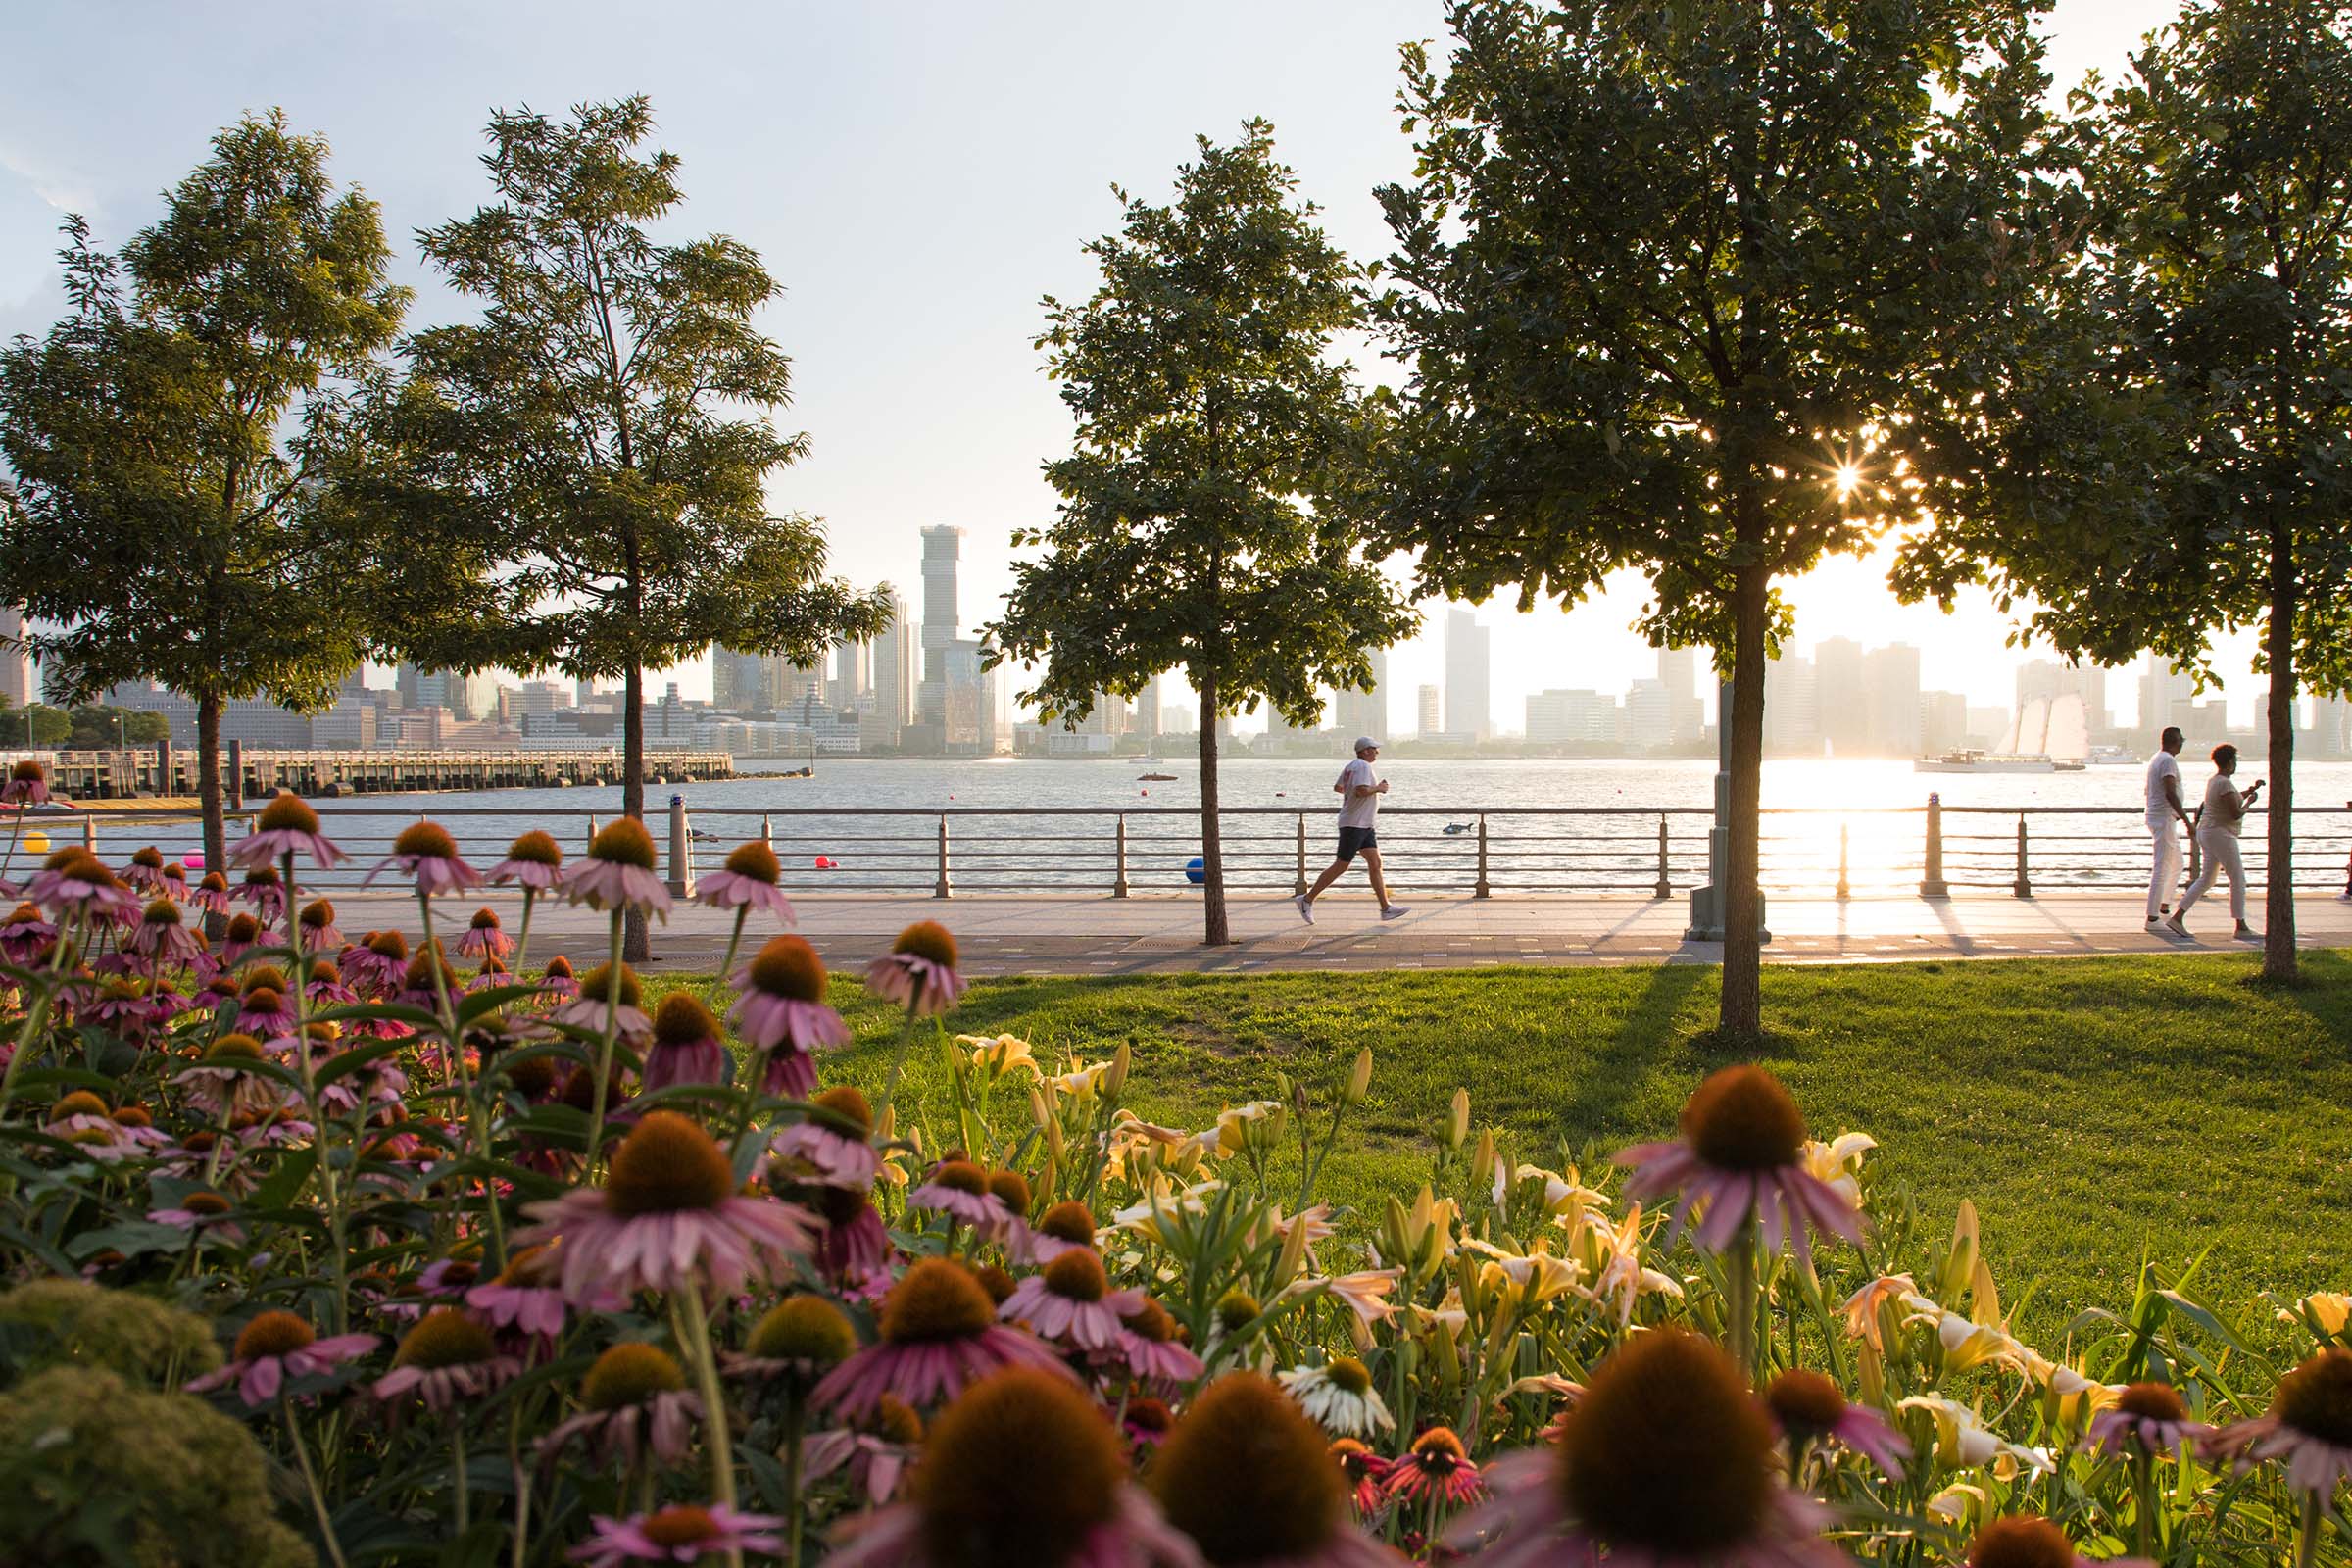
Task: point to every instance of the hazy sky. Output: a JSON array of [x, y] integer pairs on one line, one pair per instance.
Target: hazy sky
[[916, 174]]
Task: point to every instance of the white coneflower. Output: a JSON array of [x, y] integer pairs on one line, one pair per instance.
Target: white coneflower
[[1339, 1395]]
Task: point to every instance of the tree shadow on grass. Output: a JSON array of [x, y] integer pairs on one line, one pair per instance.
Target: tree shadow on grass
[[1595, 1102], [2322, 994]]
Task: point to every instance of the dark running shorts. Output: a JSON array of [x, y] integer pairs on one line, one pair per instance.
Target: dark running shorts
[[1352, 838]]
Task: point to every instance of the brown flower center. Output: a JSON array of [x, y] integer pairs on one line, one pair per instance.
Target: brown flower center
[[558, 967], [484, 920], [205, 1203], [261, 998], [788, 966], [147, 858], [1237, 1309], [214, 882], [244, 928], [623, 841], [1741, 1119], [597, 986], [535, 849], [682, 1020], [1077, 1274], [426, 841], [1012, 1188], [1147, 1414], [1248, 1476], [1069, 1222], [1439, 1452], [803, 1328], [1666, 1453], [960, 1175], [1349, 1375], [630, 1374], [231, 1049], [287, 813], [261, 876], [1017, 1473], [161, 911], [1806, 1403], [528, 1266], [666, 1164], [28, 772], [936, 1299], [443, 1338], [681, 1524], [848, 1104], [2315, 1398], [894, 1419], [2021, 1541], [317, 914], [756, 861], [270, 1333], [2152, 1401], [1151, 1321], [264, 976], [927, 939], [80, 1103], [389, 945]]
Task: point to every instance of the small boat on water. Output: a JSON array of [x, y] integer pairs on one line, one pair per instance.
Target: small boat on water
[[1156, 778], [1974, 761]]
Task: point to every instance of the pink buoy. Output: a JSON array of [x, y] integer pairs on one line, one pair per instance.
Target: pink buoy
[[193, 860]]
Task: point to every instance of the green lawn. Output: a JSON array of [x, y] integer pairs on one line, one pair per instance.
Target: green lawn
[[2095, 1110]]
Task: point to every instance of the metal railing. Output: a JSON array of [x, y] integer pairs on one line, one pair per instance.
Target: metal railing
[[1931, 850]]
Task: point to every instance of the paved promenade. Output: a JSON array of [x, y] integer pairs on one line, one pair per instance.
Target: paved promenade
[[1161, 934]]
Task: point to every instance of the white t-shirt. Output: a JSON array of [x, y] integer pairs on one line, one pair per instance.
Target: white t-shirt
[[2224, 807], [1357, 811], [2162, 766]]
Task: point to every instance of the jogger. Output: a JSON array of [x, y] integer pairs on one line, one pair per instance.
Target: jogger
[[1359, 793]]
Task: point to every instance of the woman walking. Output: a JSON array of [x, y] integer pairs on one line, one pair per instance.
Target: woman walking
[[2218, 822]]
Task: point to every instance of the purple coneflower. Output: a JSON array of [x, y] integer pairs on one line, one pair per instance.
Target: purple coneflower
[[1741, 1157], [285, 826], [1810, 1408], [426, 853], [318, 924], [211, 894], [835, 1145], [526, 1296], [206, 1213], [748, 881], [1151, 1351], [588, 1009], [484, 937], [2027, 1541], [938, 1335], [28, 785], [918, 972], [1437, 1467], [2308, 1425], [326, 987], [1061, 1228], [262, 1010], [534, 862], [683, 1532], [854, 1247], [1021, 1469], [2146, 1419], [668, 1219], [782, 1014], [427, 979], [71, 879], [1362, 1472], [618, 871], [872, 1461], [241, 936], [26, 937], [263, 890], [448, 1356], [377, 966], [223, 1078], [1071, 1302], [160, 938], [959, 1190], [685, 1048], [273, 1347], [1247, 1479], [145, 872], [1666, 1462], [633, 1401], [556, 981], [794, 1344]]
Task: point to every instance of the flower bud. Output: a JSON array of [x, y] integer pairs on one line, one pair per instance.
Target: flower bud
[[1122, 1061], [1482, 1159], [1457, 1121], [1293, 1254], [1360, 1079]]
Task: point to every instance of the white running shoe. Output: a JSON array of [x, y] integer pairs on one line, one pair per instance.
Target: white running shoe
[[2174, 926], [2246, 933], [1305, 906], [1395, 911]]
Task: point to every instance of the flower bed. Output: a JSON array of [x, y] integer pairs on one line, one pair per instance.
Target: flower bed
[[389, 1247]]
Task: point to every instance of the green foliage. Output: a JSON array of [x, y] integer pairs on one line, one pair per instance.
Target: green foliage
[[132, 1335], [96, 1470], [1205, 520], [1664, 274]]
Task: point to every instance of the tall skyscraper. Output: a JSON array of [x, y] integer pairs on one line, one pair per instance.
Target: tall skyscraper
[[1147, 712], [1687, 710], [943, 546], [2167, 696], [847, 681], [895, 660], [1890, 700], [1365, 712], [1426, 713], [1468, 648], [1838, 702], [739, 682], [1791, 717], [16, 665]]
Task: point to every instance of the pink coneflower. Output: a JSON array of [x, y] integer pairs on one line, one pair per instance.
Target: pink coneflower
[[748, 881], [421, 984], [318, 925], [782, 1014], [1665, 1462], [425, 854], [1061, 1228], [873, 1462], [589, 1009], [1021, 1469], [938, 1335], [241, 936], [81, 1119], [26, 937], [326, 987], [1810, 1408], [1071, 1302], [1741, 1157], [668, 1219], [1437, 1466], [2146, 1419], [835, 1145], [918, 972], [685, 1047], [618, 871], [378, 965], [633, 1401], [448, 1356], [1151, 1352], [794, 1344], [854, 1247], [556, 981], [160, 938], [28, 785], [680, 1533], [958, 1189], [264, 1012], [206, 1213], [534, 862], [176, 881], [2025, 1541], [285, 826], [223, 1078], [211, 894], [2308, 1425], [71, 879], [273, 1347], [1362, 1472], [1249, 1480], [145, 872], [484, 939], [264, 891], [526, 1296]]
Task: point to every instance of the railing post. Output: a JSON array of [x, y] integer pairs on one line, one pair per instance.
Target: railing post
[[940, 888], [681, 851], [2023, 887], [767, 833], [592, 829], [89, 831], [1665, 884], [1119, 889], [1933, 885], [1298, 882], [1484, 890], [1845, 887]]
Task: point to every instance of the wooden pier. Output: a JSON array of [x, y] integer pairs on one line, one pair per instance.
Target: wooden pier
[[252, 772]]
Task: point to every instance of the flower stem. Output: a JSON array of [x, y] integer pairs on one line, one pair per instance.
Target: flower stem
[[328, 1191], [523, 941], [727, 967], [37, 1019], [2307, 1536], [2143, 1488], [457, 1453], [897, 1061], [310, 1482], [690, 1319], [794, 1421], [604, 1051], [1741, 1309]]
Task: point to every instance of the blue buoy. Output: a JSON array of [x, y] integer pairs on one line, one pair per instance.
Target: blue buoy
[[1195, 870]]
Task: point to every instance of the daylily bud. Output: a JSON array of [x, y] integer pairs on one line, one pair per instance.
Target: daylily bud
[[1960, 1263], [1457, 1121], [1048, 1178], [1055, 1146], [1872, 1369], [1282, 1087], [1360, 1079], [1038, 1112], [1122, 1061], [1359, 1332], [1293, 1253], [1482, 1159]]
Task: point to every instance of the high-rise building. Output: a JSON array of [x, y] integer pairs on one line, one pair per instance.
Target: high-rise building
[[894, 665], [1687, 710], [1942, 722], [943, 547], [1365, 712], [1575, 717], [1427, 723], [739, 683], [1649, 716], [1890, 700], [1792, 714], [17, 685], [2331, 726], [1468, 647], [2167, 696], [1148, 708], [467, 697], [1840, 711]]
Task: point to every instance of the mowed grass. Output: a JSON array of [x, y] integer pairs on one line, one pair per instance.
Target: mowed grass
[[2097, 1111]]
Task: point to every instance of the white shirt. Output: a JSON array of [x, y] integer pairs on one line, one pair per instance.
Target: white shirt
[[1357, 811], [2224, 807], [2162, 766]]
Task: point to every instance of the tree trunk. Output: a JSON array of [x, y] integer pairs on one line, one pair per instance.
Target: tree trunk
[[1742, 1010], [2279, 898], [1215, 933], [636, 943], [209, 799]]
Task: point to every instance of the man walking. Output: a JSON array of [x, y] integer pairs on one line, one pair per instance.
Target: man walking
[[2165, 808], [1359, 793]]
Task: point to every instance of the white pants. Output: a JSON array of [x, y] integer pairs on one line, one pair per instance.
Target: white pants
[[2167, 875], [2220, 851]]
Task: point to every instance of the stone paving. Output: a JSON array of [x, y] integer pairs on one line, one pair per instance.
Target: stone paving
[[1161, 934]]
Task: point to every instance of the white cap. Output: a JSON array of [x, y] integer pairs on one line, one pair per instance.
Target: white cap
[[1365, 743]]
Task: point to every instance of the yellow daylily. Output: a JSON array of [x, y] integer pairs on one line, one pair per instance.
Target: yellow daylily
[[1081, 1083], [1533, 1277], [1862, 1316], [2325, 1312], [1838, 1162], [1258, 1125], [993, 1056], [1964, 1442]]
